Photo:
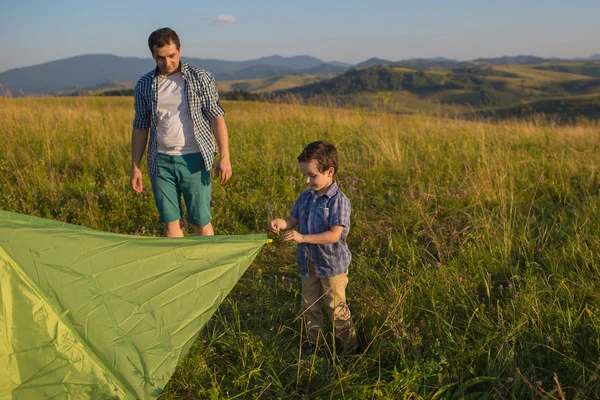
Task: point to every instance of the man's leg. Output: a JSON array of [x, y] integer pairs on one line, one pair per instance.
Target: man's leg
[[172, 229], [206, 230], [195, 184], [167, 195]]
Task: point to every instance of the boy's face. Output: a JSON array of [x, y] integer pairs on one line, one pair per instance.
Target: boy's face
[[317, 181]]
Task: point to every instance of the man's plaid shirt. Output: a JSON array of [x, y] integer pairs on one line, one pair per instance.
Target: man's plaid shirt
[[317, 214], [203, 104]]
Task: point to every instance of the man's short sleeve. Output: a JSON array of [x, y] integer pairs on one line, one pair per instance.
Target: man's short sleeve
[[339, 211], [142, 107], [211, 106]]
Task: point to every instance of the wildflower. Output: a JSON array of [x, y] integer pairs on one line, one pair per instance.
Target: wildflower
[[500, 286], [539, 383], [437, 264], [416, 329], [460, 279], [428, 264], [510, 379]]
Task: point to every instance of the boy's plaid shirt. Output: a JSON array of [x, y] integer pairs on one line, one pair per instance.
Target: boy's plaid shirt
[[203, 104], [317, 214]]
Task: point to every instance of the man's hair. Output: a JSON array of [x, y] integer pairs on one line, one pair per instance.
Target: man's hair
[[163, 37], [325, 154]]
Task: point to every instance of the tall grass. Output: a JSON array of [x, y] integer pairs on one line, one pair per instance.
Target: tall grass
[[476, 246]]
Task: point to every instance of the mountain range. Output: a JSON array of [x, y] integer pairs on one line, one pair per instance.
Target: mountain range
[[95, 71]]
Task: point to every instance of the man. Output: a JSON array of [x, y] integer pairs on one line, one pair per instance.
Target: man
[[179, 104]]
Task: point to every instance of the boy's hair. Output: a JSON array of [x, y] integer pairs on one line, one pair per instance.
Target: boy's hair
[[325, 154], [163, 37]]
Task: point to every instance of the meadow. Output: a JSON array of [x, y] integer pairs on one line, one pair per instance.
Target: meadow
[[476, 245]]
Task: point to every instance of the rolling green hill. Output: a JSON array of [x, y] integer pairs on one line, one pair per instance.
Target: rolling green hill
[[568, 90], [266, 85]]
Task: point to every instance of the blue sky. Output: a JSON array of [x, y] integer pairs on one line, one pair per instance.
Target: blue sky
[[35, 31]]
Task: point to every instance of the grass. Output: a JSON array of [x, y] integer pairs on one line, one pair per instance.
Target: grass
[[476, 246]]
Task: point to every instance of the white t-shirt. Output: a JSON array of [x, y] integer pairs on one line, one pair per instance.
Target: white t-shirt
[[175, 130]]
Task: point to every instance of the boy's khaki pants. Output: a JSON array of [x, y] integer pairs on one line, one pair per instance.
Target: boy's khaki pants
[[333, 293]]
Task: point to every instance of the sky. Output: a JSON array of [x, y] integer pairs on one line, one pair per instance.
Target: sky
[[36, 31]]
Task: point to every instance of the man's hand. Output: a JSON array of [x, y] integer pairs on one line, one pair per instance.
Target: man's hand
[[223, 169], [136, 179]]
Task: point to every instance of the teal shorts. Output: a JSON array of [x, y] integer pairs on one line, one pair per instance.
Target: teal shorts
[[182, 175]]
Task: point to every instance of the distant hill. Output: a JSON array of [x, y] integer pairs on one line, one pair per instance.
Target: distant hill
[[435, 62], [265, 85], [429, 63], [371, 62], [562, 90], [255, 72], [105, 71], [296, 62], [73, 73], [522, 59], [99, 70], [323, 69], [466, 89], [588, 69], [340, 64], [267, 71]]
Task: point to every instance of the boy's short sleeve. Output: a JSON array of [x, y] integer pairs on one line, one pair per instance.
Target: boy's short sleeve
[[339, 211], [296, 209]]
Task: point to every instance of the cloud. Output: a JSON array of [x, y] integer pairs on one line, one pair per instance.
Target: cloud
[[222, 18]]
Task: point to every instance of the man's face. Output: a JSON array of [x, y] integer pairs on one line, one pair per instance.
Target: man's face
[[167, 58]]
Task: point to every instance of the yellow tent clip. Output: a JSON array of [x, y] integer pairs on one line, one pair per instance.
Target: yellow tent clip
[[269, 241]]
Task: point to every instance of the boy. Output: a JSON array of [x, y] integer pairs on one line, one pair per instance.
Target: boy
[[322, 216]]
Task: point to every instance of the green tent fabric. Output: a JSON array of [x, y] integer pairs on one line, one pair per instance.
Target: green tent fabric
[[90, 314]]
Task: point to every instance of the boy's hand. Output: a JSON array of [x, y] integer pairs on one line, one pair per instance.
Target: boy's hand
[[277, 224], [293, 235]]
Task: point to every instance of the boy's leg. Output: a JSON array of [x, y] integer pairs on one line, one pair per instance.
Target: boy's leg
[[339, 313], [195, 182], [311, 306]]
